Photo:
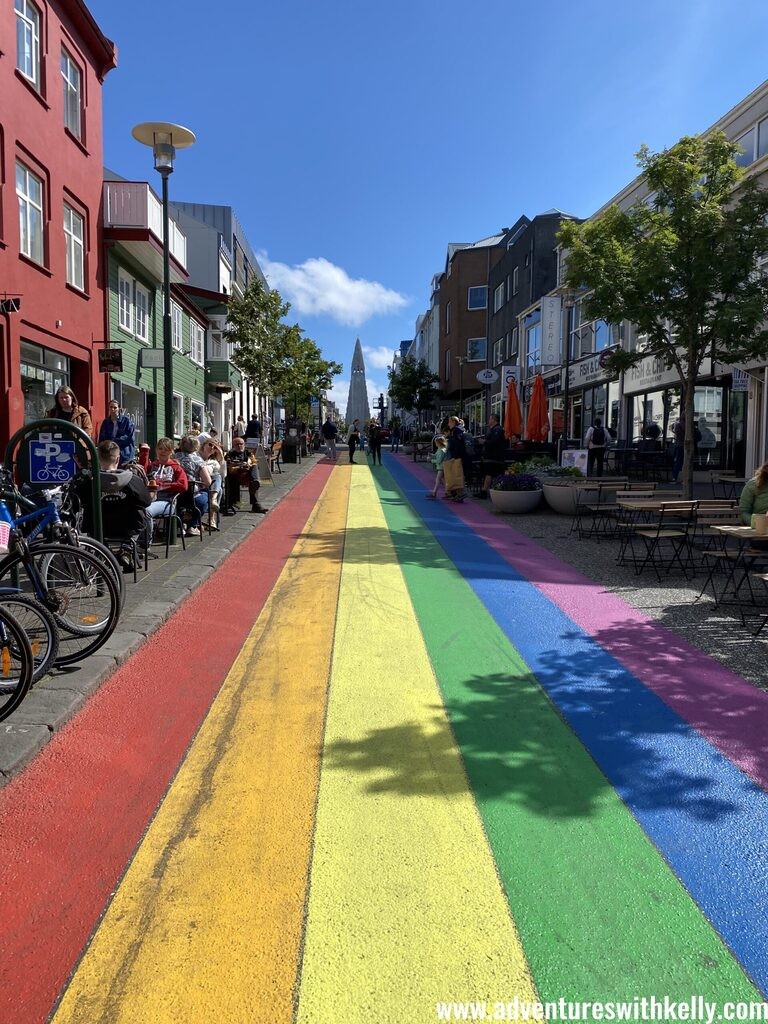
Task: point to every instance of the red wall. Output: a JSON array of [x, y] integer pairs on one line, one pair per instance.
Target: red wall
[[32, 130]]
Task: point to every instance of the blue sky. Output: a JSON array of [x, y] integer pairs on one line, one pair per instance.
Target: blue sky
[[356, 140]]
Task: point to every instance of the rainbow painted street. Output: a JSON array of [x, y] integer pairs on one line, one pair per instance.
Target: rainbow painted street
[[425, 763]]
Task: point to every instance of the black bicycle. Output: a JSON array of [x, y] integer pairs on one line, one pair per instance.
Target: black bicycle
[[16, 664]]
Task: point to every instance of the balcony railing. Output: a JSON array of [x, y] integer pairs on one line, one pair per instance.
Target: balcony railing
[[133, 204]]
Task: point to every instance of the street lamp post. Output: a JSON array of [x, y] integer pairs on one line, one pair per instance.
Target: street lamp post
[[461, 360], [165, 139]]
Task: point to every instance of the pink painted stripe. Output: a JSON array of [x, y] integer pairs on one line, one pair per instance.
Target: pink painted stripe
[[727, 710]]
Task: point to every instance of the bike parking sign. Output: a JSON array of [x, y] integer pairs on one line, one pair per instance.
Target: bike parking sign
[[51, 460]]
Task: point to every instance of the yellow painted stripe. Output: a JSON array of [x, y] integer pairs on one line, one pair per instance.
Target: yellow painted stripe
[[405, 907], [208, 921]]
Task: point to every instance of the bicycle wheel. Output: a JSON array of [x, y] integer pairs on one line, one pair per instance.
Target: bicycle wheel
[[102, 552], [40, 627], [16, 664], [75, 587]]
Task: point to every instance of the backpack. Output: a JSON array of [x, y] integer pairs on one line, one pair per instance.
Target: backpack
[[598, 436]]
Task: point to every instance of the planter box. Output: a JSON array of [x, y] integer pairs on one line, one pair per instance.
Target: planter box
[[515, 501], [561, 497]]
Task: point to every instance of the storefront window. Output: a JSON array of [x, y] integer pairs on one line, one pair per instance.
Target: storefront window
[[42, 373]]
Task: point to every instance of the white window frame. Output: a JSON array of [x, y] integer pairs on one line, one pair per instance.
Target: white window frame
[[477, 288], [141, 312], [515, 280], [177, 327], [74, 237], [477, 358], [178, 414], [498, 297], [125, 313], [28, 21], [196, 342], [29, 205], [72, 79]]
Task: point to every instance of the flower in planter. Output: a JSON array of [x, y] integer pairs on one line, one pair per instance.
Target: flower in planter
[[565, 472], [538, 464], [515, 482]]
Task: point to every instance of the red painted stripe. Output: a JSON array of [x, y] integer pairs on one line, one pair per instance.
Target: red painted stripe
[[71, 821]]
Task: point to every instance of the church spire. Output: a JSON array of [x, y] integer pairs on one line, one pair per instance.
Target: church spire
[[357, 402]]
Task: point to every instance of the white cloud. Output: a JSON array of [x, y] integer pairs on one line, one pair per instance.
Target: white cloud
[[380, 358], [317, 287]]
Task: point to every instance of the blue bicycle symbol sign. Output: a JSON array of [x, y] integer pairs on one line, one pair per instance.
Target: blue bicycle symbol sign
[[51, 462]]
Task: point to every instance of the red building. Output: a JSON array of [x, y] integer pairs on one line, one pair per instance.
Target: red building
[[52, 66]]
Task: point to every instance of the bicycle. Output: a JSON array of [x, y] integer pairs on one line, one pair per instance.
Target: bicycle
[[75, 586], [16, 664], [48, 518], [40, 627]]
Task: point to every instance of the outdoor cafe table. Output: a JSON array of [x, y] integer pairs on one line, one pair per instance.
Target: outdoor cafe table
[[731, 486], [744, 560]]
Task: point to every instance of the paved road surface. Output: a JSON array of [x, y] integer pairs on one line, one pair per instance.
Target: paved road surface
[[391, 754]]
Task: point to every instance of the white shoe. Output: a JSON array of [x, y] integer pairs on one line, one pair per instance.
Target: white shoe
[[192, 531]]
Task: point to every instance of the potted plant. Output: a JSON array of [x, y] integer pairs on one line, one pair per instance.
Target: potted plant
[[515, 492], [561, 487]]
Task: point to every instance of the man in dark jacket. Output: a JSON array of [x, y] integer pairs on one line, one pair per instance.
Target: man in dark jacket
[[330, 432], [254, 427], [493, 453], [124, 497], [120, 428]]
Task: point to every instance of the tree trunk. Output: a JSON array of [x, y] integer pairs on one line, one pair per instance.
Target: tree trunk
[[689, 448]]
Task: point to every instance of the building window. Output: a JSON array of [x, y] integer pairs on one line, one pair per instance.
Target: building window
[[477, 297], [176, 332], [515, 280], [70, 73], [141, 312], [448, 318], [498, 297], [29, 189], [476, 349], [197, 414], [28, 41], [747, 143], [513, 343], [74, 226], [178, 414], [762, 138], [532, 326], [447, 369], [125, 300], [498, 351], [196, 342]]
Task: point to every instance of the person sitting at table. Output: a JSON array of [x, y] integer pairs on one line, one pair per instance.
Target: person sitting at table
[[124, 501], [242, 467], [213, 457], [754, 496], [197, 474], [166, 480]]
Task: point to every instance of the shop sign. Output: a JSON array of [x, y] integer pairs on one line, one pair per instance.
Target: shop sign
[[550, 330], [575, 458], [487, 376], [652, 373], [740, 380], [110, 360], [586, 372], [510, 374], [552, 386], [152, 358]]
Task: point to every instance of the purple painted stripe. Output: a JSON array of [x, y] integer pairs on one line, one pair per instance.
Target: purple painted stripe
[[727, 710]]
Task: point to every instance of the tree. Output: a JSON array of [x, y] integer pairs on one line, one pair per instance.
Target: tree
[[413, 385], [272, 355], [255, 327], [682, 265]]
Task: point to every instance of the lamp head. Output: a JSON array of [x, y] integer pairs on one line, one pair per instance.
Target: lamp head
[[164, 138]]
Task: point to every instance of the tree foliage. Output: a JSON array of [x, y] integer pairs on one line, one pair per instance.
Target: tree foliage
[[272, 355], [413, 386], [681, 265]]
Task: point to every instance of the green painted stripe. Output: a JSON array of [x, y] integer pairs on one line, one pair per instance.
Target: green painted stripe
[[600, 913]]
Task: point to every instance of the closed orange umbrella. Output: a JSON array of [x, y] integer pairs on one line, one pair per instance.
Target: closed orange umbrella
[[537, 426], [513, 418]]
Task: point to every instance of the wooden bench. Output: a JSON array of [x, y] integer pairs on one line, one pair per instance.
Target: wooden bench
[[274, 457]]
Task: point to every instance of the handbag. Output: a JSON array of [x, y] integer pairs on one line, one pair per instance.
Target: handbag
[[453, 473]]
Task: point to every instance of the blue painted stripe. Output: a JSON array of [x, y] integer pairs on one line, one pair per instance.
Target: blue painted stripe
[[706, 818]]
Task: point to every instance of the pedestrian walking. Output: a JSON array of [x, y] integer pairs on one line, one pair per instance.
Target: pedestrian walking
[[330, 432], [374, 440], [596, 440], [353, 439], [395, 438], [441, 454]]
